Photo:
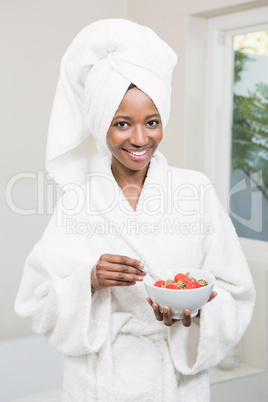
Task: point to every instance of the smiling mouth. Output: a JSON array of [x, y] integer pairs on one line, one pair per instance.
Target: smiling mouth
[[138, 155]]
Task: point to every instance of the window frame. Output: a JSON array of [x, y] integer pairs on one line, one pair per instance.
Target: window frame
[[219, 93]]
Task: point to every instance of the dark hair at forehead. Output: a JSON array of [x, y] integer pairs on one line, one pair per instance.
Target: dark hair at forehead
[[132, 86]]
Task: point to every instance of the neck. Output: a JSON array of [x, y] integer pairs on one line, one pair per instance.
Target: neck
[[126, 177]]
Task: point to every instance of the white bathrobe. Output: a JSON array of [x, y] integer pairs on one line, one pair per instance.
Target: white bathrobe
[[115, 349]]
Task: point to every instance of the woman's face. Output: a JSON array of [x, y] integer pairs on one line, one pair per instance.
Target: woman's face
[[135, 132]]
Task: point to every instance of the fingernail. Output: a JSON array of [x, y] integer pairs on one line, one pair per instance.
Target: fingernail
[[141, 265], [154, 307], [140, 278], [165, 310]]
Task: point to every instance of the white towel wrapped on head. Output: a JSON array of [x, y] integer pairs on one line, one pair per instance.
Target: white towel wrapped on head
[[96, 71]]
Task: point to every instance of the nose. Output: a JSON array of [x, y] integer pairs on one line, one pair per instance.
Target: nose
[[138, 137]]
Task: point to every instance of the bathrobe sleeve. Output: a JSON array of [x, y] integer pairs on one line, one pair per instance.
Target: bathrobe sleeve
[[224, 320], [55, 292]]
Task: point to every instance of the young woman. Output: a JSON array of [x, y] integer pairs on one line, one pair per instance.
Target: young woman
[[124, 207]]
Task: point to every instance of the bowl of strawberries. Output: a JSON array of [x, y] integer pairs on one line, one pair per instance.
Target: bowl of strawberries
[[180, 290]]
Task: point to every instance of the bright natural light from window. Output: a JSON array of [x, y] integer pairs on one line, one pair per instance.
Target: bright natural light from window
[[249, 162]]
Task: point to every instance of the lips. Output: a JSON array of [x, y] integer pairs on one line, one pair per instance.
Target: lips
[[137, 155]]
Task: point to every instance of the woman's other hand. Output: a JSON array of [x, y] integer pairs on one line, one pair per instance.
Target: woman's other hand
[[115, 270], [165, 315]]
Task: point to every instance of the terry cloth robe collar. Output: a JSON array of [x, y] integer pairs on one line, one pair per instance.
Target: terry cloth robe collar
[[115, 200], [108, 202]]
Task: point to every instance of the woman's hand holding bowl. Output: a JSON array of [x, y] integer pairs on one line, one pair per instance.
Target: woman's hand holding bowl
[[165, 315]]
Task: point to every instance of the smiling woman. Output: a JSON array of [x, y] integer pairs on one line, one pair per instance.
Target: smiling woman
[[86, 292]]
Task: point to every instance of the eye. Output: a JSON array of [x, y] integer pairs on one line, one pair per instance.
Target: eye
[[121, 124], [153, 123]]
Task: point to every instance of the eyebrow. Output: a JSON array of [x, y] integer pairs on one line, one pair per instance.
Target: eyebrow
[[150, 116], [122, 117]]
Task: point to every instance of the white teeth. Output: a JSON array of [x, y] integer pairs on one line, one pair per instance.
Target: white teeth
[[138, 153]]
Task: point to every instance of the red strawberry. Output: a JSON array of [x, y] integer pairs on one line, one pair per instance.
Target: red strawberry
[[192, 285], [183, 277], [158, 283], [171, 286]]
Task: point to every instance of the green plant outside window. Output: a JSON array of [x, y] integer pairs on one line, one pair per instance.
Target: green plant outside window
[[249, 170]]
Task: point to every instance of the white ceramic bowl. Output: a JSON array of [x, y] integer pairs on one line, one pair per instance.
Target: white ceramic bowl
[[179, 300]]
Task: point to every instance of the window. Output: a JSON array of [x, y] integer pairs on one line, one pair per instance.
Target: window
[[249, 149], [237, 120]]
